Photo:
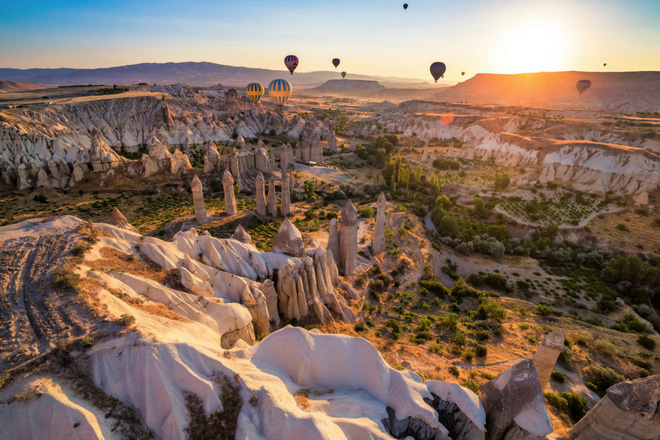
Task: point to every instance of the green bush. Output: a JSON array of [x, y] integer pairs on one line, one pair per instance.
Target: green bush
[[646, 342], [438, 289], [360, 327], [602, 378], [558, 376], [545, 310], [65, 278], [367, 212], [454, 371], [471, 384], [126, 320], [480, 350]]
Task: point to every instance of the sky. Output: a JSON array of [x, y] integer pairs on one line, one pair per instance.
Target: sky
[[374, 37]]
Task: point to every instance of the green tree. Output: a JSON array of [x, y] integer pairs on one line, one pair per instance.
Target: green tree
[[444, 202], [448, 225], [502, 181], [479, 207]]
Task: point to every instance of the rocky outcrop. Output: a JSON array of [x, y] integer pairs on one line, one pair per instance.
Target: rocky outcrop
[[179, 162], [286, 195], [459, 410], [158, 159], [378, 243], [514, 405], [120, 221], [261, 195], [198, 200], [311, 149], [241, 235], [230, 197], [411, 427], [262, 160], [272, 198], [286, 156], [348, 239], [629, 411], [289, 240], [547, 354], [333, 238]]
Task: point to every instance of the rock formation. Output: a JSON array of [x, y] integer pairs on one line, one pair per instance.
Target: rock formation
[[286, 195], [348, 239], [425, 154], [234, 166], [379, 234], [230, 198], [286, 157], [261, 194], [241, 235], [289, 240], [272, 198], [514, 405], [547, 354], [629, 411], [179, 162], [333, 239], [120, 221], [292, 181], [262, 161], [198, 200], [332, 144], [459, 410]]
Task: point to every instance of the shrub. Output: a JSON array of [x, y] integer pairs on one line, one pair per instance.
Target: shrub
[[126, 320], [40, 198], [558, 376], [646, 342], [458, 339], [480, 350], [491, 309], [65, 278], [367, 212], [360, 327], [437, 349], [577, 405], [605, 347], [435, 287], [602, 378], [472, 385], [454, 371], [545, 310], [621, 226], [449, 321]]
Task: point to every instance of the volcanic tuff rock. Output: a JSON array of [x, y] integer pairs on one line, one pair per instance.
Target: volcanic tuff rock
[[65, 142], [629, 411], [547, 354], [120, 221], [590, 161], [198, 199], [289, 240], [230, 197]]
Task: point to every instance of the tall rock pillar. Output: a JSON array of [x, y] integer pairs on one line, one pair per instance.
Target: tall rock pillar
[[286, 195], [234, 167], [333, 240], [230, 198], [198, 200], [261, 195], [348, 239], [272, 198], [547, 354], [379, 235]]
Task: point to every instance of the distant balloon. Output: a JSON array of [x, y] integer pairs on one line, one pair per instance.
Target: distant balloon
[[405, 6], [335, 62], [604, 64], [343, 74], [583, 85], [254, 91], [437, 70], [462, 73], [281, 90], [291, 62]]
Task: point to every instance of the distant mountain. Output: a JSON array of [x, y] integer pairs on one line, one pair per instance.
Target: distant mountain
[[15, 86], [195, 74], [619, 91]]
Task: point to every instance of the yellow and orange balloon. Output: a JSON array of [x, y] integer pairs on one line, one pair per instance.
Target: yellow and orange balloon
[[254, 91], [280, 90]]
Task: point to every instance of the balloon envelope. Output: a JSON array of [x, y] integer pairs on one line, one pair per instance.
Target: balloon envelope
[[281, 90], [462, 73], [343, 74], [583, 85], [437, 70], [254, 91], [335, 62], [405, 6], [291, 62]]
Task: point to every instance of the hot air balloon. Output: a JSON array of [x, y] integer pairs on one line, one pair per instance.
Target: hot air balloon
[[281, 90], [254, 91], [437, 70], [335, 62], [405, 6], [291, 62], [462, 73], [583, 85], [343, 74], [604, 64]]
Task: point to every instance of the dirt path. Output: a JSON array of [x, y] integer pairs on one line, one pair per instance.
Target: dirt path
[[33, 314]]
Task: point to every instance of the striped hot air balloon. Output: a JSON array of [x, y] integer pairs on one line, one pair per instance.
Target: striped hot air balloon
[[281, 90], [291, 62], [254, 91]]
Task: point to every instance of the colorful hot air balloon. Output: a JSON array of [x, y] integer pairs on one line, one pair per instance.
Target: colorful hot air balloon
[[281, 90], [291, 62], [462, 73], [583, 85], [437, 70], [405, 6], [254, 91], [335, 62], [343, 74]]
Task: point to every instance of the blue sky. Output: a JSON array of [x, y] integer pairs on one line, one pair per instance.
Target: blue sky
[[370, 37]]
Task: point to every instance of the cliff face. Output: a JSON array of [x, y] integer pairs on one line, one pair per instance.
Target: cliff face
[[590, 160], [57, 146]]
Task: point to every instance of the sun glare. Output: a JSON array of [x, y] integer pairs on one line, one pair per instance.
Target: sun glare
[[532, 46]]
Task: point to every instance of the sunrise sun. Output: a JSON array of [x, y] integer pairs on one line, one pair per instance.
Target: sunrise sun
[[532, 45]]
